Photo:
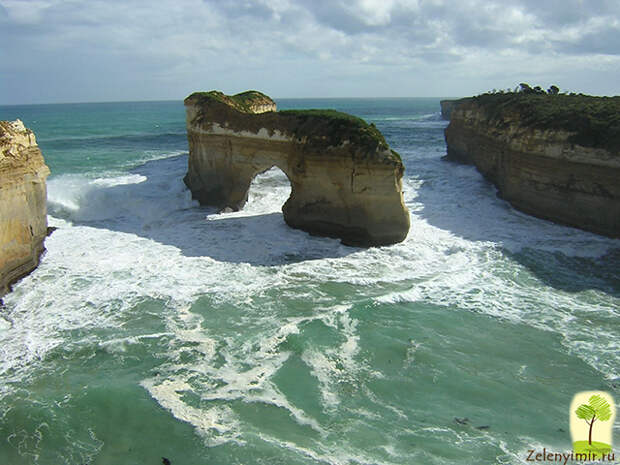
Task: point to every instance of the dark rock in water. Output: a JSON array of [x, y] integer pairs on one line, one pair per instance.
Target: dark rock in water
[[465, 422], [346, 181], [165, 461]]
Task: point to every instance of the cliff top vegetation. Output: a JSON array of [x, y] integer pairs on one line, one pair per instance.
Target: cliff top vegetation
[[341, 125], [319, 128], [594, 121], [243, 101]]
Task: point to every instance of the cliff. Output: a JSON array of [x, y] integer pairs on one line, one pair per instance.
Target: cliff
[[556, 157], [448, 105], [23, 216], [345, 180]]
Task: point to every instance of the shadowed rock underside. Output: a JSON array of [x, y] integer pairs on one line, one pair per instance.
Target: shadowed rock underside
[[345, 180]]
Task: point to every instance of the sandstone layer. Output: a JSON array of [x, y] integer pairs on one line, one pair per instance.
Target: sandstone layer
[[23, 215], [552, 156], [345, 180]]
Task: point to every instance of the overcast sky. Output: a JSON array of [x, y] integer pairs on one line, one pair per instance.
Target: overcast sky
[[110, 50]]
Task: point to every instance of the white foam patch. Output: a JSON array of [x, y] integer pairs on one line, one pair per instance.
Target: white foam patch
[[327, 372], [119, 180], [121, 345], [246, 374], [254, 384], [156, 155], [4, 324], [332, 366], [127, 200], [220, 420], [334, 456], [65, 191]]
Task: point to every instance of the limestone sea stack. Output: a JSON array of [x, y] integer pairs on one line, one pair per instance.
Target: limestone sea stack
[[556, 157], [23, 213], [345, 180]]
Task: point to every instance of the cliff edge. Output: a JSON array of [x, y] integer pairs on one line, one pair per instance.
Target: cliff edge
[[23, 215], [556, 157], [345, 180], [448, 105]]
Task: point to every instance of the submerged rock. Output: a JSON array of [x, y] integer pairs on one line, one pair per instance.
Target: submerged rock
[[556, 157], [23, 195], [345, 180]]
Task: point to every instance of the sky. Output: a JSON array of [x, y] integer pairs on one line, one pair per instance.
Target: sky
[[54, 51]]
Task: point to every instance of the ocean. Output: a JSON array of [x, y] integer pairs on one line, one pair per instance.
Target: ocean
[[155, 327]]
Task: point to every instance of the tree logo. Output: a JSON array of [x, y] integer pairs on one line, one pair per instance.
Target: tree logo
[[591, 423]]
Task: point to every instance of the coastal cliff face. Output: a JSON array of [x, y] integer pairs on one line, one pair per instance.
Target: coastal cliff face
[[23, 215], [446, 108], [448, 105], [546, 157], [345, 181]]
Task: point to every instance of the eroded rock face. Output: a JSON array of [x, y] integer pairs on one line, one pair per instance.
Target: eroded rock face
[[23, 213], [542, 172], [345, 181]]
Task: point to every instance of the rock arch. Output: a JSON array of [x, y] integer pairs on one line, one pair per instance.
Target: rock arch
[[269, 189], [345, 181]]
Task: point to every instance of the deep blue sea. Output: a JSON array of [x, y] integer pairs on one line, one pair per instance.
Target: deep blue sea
[[158, 328]]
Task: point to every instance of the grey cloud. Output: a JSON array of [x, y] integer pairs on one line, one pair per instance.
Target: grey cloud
[[254, 10], [484, 25], [605, 41], [334, 15], [184, 44], [554, 13]]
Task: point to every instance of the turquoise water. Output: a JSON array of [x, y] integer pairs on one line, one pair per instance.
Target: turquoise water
[[156, 328]]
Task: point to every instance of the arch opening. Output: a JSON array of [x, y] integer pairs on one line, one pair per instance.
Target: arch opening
[[268, 192]]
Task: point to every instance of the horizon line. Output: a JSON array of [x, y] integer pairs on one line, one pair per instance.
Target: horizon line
[[181, 100]]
